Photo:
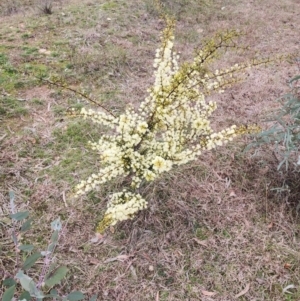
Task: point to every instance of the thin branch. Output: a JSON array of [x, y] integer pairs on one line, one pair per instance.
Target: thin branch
[[59, 85]]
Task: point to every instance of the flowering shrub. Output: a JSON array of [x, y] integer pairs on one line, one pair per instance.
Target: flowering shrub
[[171, 126]]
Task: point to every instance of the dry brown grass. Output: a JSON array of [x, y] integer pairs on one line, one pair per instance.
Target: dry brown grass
[[214, 228]]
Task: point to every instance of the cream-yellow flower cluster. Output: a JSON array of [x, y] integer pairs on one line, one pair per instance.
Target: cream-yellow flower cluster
[[123, 205], [171, 126]]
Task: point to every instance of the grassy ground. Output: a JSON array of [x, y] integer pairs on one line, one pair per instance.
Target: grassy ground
[[216, 229]]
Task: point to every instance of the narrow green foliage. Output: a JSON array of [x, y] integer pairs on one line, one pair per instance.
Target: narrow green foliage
[[284, 134], [27, 225], [9, 293], [26, 248], [56, 276], [25, 295], [15, 240], [19, 216], [11, 198], [31, 260], [29, 285], [75, 296], [9, 282], [49, 276], [54, 293], [54, 236], [50, 248]]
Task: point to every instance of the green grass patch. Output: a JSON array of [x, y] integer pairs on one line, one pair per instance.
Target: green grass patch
[[12, 107], [3, 59], [29, 50], [36, 69], [77, 133], [69, 146], [14, 78], [111, 5]]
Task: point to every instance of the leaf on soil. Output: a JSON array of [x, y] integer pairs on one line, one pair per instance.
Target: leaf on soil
[[5, 220], [98, 239], [157, 296], [270, 226], [200, 242], [232, 194], [121, 258], [207, 293], [243, 292], [93, 260], [133, 273], [286, 289]]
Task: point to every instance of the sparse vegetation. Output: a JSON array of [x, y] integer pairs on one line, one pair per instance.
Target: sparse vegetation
[[284, 135], [216, 229], [49, 275]]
